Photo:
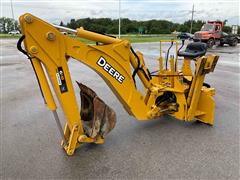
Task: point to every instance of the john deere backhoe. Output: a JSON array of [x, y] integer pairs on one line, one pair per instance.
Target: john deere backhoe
[[179, 92]]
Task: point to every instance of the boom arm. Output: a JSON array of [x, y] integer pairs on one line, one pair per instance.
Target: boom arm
[[111, 61], [51, 49]]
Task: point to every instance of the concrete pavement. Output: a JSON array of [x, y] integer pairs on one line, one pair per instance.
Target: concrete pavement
[[160, 149]]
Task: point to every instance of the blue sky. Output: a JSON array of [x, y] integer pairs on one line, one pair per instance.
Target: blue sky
[[174, 10]]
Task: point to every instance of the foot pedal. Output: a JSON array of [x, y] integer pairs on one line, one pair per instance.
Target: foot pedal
[[98, 118]]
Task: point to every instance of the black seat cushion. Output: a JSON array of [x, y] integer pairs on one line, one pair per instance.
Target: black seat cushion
[[194, 50]]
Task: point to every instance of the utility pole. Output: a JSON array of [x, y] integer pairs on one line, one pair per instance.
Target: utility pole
[[192, 18], [12, 9], [12, 15], [119, 19]]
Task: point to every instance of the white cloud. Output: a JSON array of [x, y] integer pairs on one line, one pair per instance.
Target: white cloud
[[174, 10]]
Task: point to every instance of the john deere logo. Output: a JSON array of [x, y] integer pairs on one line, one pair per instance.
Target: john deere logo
[[110, 70]]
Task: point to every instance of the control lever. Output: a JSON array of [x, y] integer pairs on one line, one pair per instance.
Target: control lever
[[168, 54]]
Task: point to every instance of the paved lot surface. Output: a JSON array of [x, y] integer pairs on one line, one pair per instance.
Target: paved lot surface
[[161, 149]]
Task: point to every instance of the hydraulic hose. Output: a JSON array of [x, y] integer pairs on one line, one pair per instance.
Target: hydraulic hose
[[147, 76], [175, 66], [181, 46], [168, 54], [19, 47]]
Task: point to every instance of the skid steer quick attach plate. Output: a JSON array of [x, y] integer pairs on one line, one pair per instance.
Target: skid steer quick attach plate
[[97, 117]]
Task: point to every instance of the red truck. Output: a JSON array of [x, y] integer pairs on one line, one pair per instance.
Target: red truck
[[211, 33]]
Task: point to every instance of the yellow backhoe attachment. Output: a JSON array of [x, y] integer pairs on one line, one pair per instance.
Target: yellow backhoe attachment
[[179, 92]]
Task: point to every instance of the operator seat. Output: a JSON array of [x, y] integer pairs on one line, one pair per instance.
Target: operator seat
[[193, 50]]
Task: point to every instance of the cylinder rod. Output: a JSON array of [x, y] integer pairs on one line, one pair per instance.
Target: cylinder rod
[[59, 126], [72, 31]]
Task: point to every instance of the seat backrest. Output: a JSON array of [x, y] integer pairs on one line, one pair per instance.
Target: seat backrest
[[194, 49]]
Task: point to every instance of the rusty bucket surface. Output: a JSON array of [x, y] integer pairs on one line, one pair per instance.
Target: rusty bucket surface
[[98, 118]]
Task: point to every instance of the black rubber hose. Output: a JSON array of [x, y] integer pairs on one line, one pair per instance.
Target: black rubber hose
[[175, 66], [168, 54], [181, 46], [19, 47], [148, 77]]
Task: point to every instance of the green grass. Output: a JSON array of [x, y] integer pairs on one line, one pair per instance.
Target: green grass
[[148, 38], [9, 36], [137, 38], [131, 38]]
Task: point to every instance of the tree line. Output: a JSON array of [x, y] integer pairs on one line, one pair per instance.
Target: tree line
[[8, 24], [110, 26]]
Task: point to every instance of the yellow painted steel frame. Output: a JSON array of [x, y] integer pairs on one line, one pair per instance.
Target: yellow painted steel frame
[[195, 101], [50, 50]]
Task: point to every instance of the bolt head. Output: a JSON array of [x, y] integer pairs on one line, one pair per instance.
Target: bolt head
[[34, 50], [51, 36], [28, 19]]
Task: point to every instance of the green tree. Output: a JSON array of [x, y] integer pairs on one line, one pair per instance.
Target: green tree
[[110, 26], [8, 24], [185, 27], [227, 29], [72, 24], [61, 24]]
